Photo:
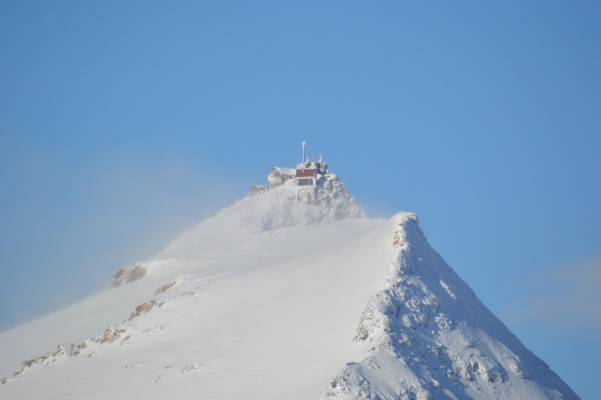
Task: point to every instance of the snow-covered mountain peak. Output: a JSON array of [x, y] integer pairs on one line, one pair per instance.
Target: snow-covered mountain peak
[[287, 294], [299, 196]]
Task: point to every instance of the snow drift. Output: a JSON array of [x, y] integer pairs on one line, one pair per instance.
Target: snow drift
[[289, 294]]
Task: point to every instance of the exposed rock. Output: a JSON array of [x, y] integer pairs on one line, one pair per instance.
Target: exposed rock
[[190, 367], [128, 274], [256, 190], [165, 287], [80, 347], [110, 335], [144, 308], [46, 359]]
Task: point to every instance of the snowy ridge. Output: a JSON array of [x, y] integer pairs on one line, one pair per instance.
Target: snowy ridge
[[431, 338]]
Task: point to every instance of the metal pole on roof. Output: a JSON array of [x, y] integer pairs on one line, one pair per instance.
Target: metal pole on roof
[[304, 145]]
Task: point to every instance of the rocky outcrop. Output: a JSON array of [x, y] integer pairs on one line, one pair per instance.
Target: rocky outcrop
[[144, 308], [165, 287], [128, 274], [292, 205], [110, 335]]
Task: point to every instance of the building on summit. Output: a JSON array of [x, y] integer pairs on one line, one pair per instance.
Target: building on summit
[[310, 172], [307, 173], [279, 175]]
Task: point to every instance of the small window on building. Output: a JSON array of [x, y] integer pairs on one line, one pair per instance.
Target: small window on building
[[305, 182]]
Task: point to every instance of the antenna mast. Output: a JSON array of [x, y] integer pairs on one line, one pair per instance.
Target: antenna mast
[[304, 145]]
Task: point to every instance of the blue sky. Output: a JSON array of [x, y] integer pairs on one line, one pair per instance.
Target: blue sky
[[124, 123]]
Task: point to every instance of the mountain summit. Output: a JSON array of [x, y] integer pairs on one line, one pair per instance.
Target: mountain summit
[[290, 293]]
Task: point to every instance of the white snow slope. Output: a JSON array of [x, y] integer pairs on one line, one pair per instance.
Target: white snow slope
[[290, 294]]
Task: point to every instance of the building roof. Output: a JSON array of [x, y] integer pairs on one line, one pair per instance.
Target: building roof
[[285, 171]]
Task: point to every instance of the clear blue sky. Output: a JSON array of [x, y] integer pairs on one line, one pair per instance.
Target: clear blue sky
[[123, 123]]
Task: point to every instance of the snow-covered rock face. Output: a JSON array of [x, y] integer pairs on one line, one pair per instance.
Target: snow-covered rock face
[[292, 205], [128, 274], [431, 338]]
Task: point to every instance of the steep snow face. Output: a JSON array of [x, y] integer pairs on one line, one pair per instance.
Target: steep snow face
[[259, 301], [431, 338], [265, 300]]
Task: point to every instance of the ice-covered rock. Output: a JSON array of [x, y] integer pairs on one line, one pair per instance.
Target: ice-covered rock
[[291, 205], [128, 274]]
